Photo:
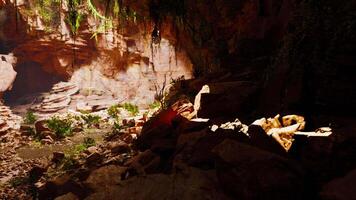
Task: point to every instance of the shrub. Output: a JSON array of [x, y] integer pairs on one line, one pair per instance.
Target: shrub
[[155, 105], [114, 111], [61, 127], [133, 109], [88, 142], [91, 120], [30, 117]]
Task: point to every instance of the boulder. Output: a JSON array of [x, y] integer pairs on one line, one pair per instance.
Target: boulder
[[226, 99], [144, 163], [7, 76], [343, 188], [119, 147], [62, 185], [41, 126], [199, 153], [149, 135], [57, 156], [94, 158], [251, 173], [102, 178], [188, 183]]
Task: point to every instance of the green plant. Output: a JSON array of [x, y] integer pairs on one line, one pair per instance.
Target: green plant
[[117, 127], [114, 111], [61, 127], [69, 162], [71, 157], [30, 117], [133, 109], [91, 120], [75, 16], [49, 11], [89, 142], [155, 105]]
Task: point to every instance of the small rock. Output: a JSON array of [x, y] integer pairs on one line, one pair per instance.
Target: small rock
[[57, 156], [40, 126], [94, 158], [92, 149], [47, 140], [36, 173], [44, 134], [120, 147]]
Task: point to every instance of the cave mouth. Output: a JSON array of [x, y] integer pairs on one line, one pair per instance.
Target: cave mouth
[[31, 80]]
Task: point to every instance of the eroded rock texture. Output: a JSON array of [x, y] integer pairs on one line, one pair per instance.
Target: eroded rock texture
[[123, 63]]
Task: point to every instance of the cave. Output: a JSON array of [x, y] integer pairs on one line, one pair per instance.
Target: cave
[[31, 79], [167, 99]]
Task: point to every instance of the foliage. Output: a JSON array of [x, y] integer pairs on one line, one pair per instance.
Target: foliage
[[75, 16], [61, 127], [133, 109], [117, 127], [71, 157], [155, 105], [36, 144], [49, 10], [161, 93], [114, 111], [69, 162], [89, 142], [30, 117], [91, 120]]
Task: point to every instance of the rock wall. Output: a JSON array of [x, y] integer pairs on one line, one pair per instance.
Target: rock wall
[[297, 52], [122, 63]]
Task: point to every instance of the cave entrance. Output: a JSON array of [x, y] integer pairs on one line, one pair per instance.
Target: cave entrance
[[31, 80]]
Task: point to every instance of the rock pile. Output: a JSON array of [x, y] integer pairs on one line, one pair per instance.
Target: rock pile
[[177, 156], [59, 98], [8, 121]]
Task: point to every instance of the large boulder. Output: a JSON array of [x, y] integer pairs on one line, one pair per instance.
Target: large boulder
[[189, 183], [224, 99], [341, 188], [251, 173], [7, 74]]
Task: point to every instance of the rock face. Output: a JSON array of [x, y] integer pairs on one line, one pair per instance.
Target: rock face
[[122, 63], [7, 73], [242, 167], [341, 188]]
